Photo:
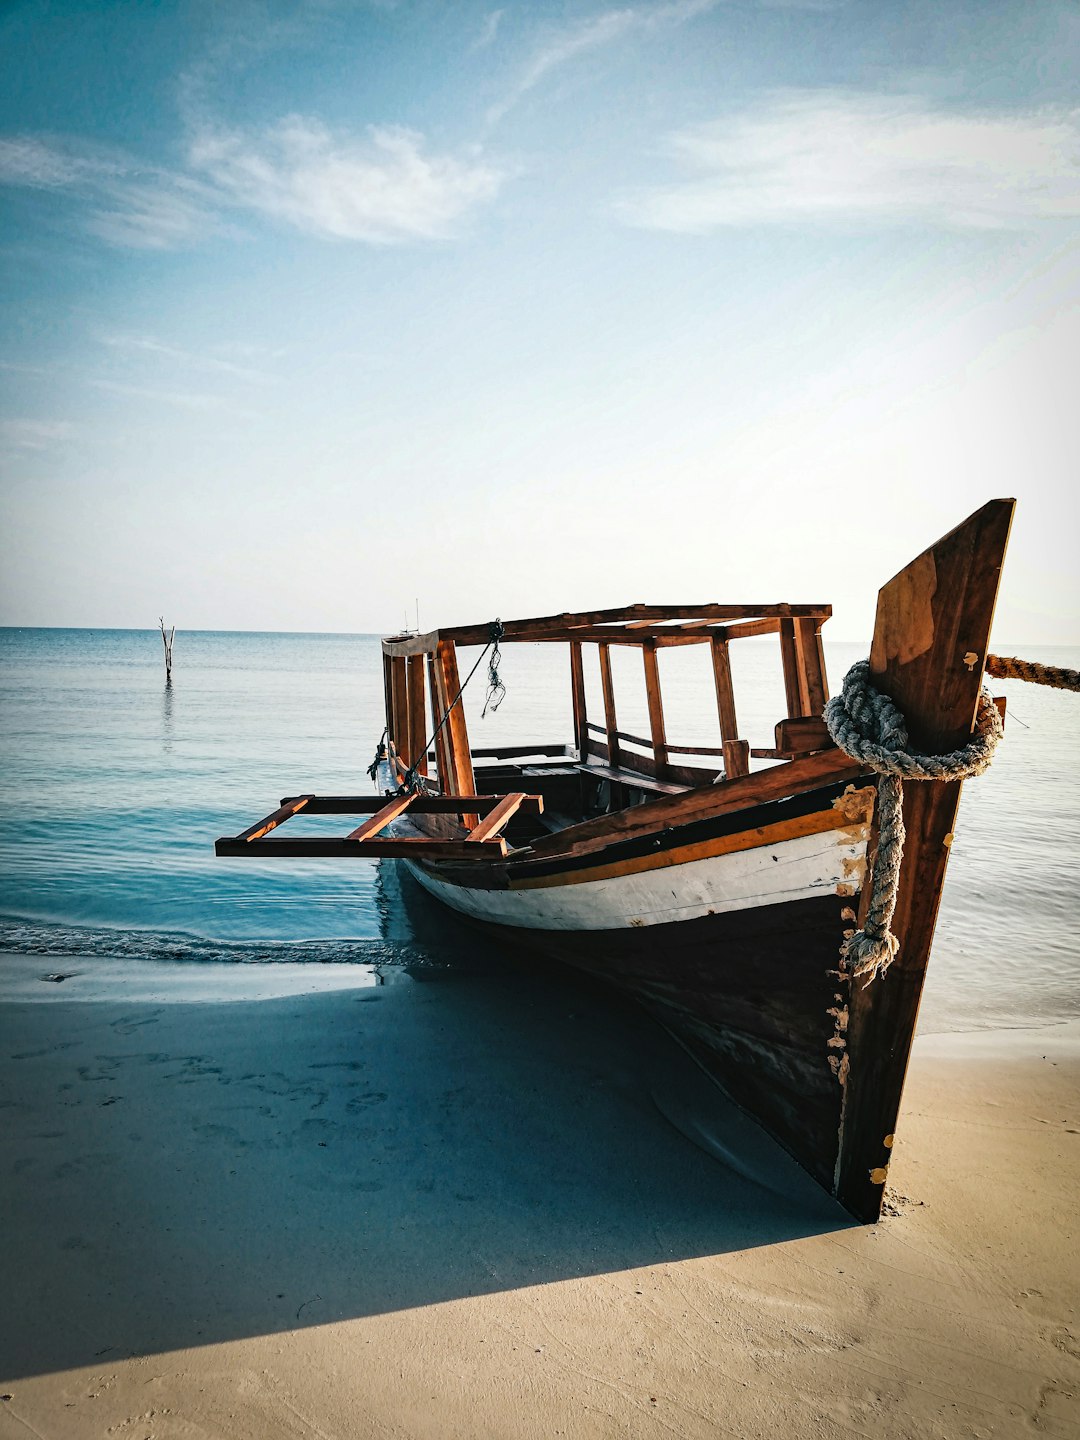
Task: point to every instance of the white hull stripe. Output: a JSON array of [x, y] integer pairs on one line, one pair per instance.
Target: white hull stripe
[[795, 869]]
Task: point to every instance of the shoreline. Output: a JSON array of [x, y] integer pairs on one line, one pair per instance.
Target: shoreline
[[453, 1206]]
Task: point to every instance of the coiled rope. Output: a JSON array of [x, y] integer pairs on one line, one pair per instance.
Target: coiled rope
[[866, 725], [1008, 667]]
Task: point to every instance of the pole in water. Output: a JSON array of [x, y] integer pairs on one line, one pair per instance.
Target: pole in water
[[167, 640]]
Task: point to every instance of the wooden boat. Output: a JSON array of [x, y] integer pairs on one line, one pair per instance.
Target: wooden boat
[[717, 892]]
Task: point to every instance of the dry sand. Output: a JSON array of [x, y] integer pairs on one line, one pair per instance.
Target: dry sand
[[457, 1209]]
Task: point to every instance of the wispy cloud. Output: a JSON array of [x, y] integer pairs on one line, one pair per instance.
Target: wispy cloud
[[383, 187], [841, 158], [488, 30], [126, 202], [143, 345], [33, 434], [181, 399], [597, 32]]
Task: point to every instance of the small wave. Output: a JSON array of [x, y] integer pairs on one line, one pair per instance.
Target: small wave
[[33, 938]]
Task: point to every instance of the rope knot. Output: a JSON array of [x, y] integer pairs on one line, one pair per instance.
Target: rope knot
[[869, 727]]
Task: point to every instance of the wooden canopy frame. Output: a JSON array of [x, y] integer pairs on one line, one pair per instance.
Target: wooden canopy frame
[[419, 667]]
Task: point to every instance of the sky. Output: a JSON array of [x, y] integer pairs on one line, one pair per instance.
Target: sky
[[316, 314]]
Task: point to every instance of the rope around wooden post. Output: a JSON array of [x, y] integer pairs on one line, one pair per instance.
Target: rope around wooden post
[[866, 725]]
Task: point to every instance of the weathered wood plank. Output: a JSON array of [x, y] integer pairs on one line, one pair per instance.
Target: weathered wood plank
[[656, 707], [458, 756], [285, 811], [608, 686], [497, 817], [399, 699], [793, 693], [379, 821], [311, 847], [577, 696], [811, 657], [538, 626], [736, 758], [797, 776], [930, 638], [418, 731]]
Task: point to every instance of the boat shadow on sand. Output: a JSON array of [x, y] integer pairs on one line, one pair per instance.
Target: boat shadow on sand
[[208, 1172]]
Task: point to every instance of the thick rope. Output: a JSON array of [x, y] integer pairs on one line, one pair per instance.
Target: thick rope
[[1008, 667], [866, 725]]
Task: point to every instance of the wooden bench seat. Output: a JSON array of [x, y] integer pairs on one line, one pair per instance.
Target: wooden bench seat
[[631, 777]]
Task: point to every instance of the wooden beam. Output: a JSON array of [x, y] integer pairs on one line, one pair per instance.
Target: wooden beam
[[460, 761], [287, 809], [814, 686], [725, 691], [442, 759], [656, 708], [793, 694], [379, 821], [329, 847], [930, 640], [495, 819], [736, 758], [421, 804], [795, 778], [417, 707], [541, 626], [388, 696], [577, 699], [608, 687], [411, 644], [399, 691]]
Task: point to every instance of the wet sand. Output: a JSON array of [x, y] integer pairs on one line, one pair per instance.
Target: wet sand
[[461, 1208]]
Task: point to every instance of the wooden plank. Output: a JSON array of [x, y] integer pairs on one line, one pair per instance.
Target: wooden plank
[[286, 809], [388, 696], [795, 778], [736, 758], [811, 657], [627, 777], [417, 707], [725, 691], [608, 686], [460, 761], [750, 628], [495, 819], [316, 847], [577, 699], [379, 821], [656, 707], [395, 645], [399, 693], [682, 776], [793, 694], [442, 760], [930, 617], [801, 736], [421, 804], [539, 627]]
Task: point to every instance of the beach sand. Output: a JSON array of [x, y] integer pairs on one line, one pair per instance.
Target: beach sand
[[460, 1208]]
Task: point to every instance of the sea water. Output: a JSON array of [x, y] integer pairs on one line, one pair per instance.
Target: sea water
[[116, 784]]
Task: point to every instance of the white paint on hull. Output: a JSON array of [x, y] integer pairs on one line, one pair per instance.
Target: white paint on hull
[[795, 869]]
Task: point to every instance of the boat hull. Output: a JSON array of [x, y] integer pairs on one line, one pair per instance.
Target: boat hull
[[731, 938]]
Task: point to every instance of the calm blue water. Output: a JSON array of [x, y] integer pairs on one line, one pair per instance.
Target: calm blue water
[[115, 786]]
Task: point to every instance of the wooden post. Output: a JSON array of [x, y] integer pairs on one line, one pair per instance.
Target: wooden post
[[418, 731], [611, 723], [793, 692], [442, 759], [459, 760], [577, 696], [656, 707], [930, 639], [399, 700], [388, 696], [813, 686], [736, 751]]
